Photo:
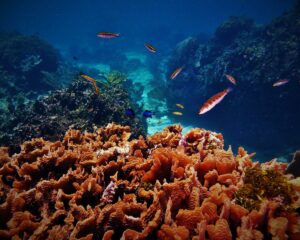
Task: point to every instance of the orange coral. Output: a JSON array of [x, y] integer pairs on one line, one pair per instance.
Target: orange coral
[[172, 233], [166, 164], [219, 231], [237, 212], [102, 185]]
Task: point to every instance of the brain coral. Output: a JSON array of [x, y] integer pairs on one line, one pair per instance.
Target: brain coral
[[100, 185]]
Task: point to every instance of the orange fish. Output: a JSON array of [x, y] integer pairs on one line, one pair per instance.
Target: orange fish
[[93, 81], [213, 101], [230, 79], [280, 82], [150, 47], [108, 35], [176, 72], [86, 77]]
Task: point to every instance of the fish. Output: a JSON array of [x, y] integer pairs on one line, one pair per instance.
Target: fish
[[108, 35], [280, 82], [180, 105], [230, 79], [150, 47], [176, 72], [147, 114], [177, 113], [93, 81], [86, 77], [213, 101], [129, 112]]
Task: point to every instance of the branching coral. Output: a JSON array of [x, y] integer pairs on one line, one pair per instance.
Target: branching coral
[[102, 185]]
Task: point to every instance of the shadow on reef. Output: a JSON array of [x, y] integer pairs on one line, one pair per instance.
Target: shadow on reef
[[77, 106], [255, 114]]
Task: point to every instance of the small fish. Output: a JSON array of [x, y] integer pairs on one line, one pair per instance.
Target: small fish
[[230, 79], [86, 77], [177, 113], [129, 112], [75, 58], [108, 35], [280, 82], [213, 101], [147, 114], [150, 47], [180, 105], [176, 72], [93, 81]]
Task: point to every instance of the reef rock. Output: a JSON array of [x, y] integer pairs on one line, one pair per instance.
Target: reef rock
[[27, 59], [77, 106]]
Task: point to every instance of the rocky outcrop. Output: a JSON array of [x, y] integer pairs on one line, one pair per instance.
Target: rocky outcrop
[[255, 114]]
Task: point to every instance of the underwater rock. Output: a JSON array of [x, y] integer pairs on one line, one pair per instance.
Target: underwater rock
[[102, 185], [294, 166], [26, 59], [256, 56], [77, 106]]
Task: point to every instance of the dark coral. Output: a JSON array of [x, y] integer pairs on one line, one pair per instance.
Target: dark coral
[[77, 106]]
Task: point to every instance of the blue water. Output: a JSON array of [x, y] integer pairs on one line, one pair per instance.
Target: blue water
[[71, 27], [74, 23]]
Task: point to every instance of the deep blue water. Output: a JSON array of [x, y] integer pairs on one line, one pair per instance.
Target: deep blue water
[[67, 23], [71, 27]]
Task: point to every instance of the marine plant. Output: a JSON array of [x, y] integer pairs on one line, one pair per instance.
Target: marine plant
[[116, 78], [260, 185]]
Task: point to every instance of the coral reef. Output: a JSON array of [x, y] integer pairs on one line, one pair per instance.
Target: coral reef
[[77, 106], [102, 185], [256, 56]]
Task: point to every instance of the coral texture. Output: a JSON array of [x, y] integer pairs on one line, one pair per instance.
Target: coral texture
[[102, 185], [77, 106]]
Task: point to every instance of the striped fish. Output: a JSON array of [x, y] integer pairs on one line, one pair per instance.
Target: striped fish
[[230, 79], [213, 101], [150, 47], [176, 72], [108, 35]]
